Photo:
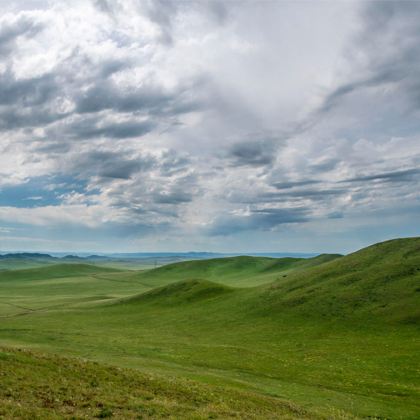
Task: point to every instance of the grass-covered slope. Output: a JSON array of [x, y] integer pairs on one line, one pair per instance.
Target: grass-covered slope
[[39, 386], [243, 271], [181, 292], [53, 271], [380, 282]]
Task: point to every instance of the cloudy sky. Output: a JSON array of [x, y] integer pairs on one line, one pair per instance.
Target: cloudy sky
[[129, 125]]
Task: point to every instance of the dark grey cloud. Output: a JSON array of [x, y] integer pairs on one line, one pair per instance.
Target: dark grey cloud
[[79, 91], [121, 130], [334, 98], [106, 96], [23, 25], [15, 118], [390, 43], [172, 197], [105, 6], [252, 153], [28, 102], [258, 219], [406, 175], [111, 66], [315, 194], [289, 195], [26, 92], [120, 169], [107, 164], [176, 191], [219, 10], [173, 163], [94, 127], [162, 12], [52, 148], [324, 166], [292, 184], [35, 101], [142, 197], [151, 99]]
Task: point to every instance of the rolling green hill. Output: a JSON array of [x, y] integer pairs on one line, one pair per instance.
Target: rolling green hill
[[337, 337], [235, 271], [381, 282], [53, 272], [181, 292]]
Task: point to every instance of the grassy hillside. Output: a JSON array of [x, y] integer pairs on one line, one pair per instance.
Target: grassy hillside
[[381, 282], [336, 336], [53, 271], [180, 292], [37, 386], [241, 271]]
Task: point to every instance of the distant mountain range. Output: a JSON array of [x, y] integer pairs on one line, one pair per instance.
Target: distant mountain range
[[139, 260], [148, 255]]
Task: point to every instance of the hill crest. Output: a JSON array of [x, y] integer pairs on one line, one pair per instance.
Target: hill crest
[[186, 291]]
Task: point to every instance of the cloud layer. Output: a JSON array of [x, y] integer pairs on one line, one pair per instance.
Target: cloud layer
[[161, 125]]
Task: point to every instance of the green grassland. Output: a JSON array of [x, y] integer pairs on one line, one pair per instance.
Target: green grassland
[[326, 337], [38, 386]]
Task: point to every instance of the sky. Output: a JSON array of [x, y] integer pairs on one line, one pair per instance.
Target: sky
[[229, 126]]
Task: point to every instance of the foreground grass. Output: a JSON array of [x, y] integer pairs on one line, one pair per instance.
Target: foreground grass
[[363, 371], [37, 386]]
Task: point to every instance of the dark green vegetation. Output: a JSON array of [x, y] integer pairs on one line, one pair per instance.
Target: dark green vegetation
[[335, 336]]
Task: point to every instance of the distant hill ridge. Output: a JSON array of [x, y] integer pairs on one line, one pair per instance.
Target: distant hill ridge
[[236, 271], [26, 255], [181, 255]]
